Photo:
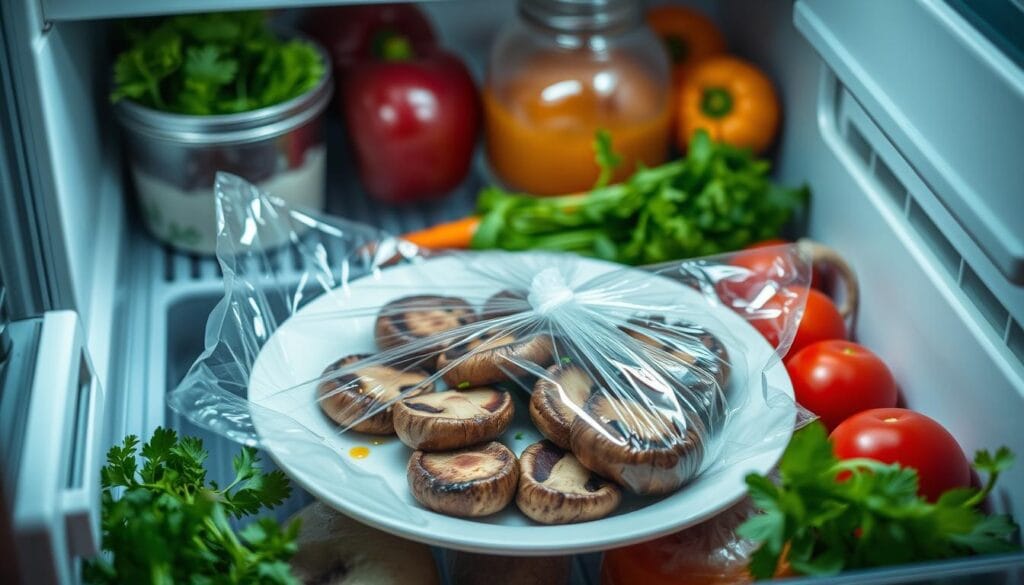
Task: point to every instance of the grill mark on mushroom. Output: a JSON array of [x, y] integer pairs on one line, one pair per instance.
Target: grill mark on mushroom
[[548, 409], [347, 398], [638, 447], [418, 317], [453, 419], [554, 488], [470, 482], [690, 343], [493, 357]]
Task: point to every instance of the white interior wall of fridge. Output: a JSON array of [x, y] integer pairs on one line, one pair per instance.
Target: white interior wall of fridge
[[932, 305]]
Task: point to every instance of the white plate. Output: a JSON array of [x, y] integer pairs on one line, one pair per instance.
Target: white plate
[[374, 490]]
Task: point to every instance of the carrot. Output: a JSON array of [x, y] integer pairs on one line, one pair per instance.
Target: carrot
[[453, 234]]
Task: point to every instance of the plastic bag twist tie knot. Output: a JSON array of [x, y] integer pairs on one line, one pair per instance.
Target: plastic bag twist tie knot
[[548, 291]]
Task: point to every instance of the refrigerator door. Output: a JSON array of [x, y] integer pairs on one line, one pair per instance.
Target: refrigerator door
[[51, 413]]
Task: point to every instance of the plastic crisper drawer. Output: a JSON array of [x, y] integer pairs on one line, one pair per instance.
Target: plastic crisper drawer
[[950, 100]]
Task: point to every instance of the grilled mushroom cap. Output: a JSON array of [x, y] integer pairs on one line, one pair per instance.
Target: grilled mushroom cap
[[637, 447], [690, 343], [555, 489], [470, 482], [449, 420], [358, 392], [550, 403], [505, 303], [417, 317], [490, 362]]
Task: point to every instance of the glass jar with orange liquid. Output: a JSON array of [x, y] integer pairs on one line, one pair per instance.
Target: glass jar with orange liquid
[[562, 71]]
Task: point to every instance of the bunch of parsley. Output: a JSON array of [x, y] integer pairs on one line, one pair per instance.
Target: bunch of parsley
[[221, 63], [168, 526], [716, 199], [873, 517]]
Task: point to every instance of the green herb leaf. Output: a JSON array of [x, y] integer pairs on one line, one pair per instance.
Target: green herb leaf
[[606, 158], [218, 63], [168, 526], [860, 513], [717, 199]]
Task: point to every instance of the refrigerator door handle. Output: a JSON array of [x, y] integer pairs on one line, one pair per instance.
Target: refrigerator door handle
[[57, 501], [80, 499]]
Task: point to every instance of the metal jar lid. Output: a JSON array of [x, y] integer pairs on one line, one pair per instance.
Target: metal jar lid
[[582, 16], [230, 129]]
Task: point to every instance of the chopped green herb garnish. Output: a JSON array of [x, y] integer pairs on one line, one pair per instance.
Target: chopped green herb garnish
[[463, 385], [519, 436], [566, 360]]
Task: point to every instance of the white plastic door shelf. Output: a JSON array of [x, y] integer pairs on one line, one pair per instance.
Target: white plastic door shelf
[[57, 500]]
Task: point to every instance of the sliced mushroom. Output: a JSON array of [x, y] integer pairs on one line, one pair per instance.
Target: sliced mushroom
[[470, 482], [638, 447], [551, 404], [449, 420], [690, 343], [347, 398], [505, 303], [554, 488], [487, 359], [414, 318]]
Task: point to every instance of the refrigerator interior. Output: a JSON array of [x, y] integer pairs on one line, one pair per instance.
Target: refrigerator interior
[[939, 301]]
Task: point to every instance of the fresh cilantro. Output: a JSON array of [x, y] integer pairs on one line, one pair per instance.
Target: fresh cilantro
[[519, 436], [718, 198], [166, 525], [825, 515], [218, 63]]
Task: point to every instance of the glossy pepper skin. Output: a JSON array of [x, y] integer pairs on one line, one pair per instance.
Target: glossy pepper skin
[[413, 122], [352, 34], [732, 100]]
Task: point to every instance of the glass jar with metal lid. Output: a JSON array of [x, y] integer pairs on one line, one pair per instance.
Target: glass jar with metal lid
[[564, 70]]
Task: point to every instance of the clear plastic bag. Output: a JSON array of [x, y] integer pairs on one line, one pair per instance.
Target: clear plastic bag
[[649, 377]]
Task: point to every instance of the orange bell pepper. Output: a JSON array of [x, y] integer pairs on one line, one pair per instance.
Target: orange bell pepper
[[731, 99], [689, 36]]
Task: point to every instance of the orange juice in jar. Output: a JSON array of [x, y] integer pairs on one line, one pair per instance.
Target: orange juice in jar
[[565, 70]]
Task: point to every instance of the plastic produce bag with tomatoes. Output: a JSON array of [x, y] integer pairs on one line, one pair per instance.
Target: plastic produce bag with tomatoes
[[650, 378]]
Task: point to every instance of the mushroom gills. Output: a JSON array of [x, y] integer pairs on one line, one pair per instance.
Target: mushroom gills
[[471, 482], [449, 420], [348, 398], [554, 488], [553, 398], [490, 358]]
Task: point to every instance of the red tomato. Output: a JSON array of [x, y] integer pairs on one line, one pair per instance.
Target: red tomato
[[898, 435], [836, 379], [821, 320], [413, 122], [767, 244]]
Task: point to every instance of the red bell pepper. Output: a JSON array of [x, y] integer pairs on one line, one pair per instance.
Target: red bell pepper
[[352, 34], [413, 117]]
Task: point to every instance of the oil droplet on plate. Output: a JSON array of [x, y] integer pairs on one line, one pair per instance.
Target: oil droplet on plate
[[359, 452], [377, 442]]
